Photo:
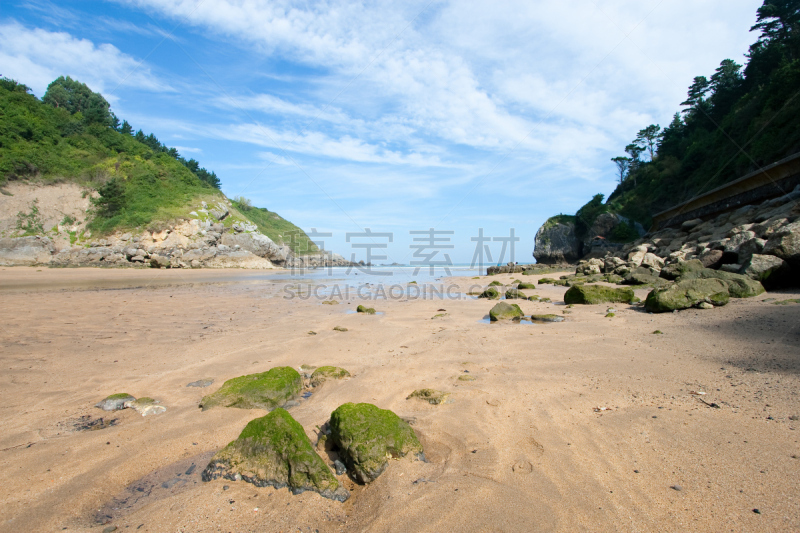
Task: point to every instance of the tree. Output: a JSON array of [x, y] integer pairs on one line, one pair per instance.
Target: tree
[[697, 93], [76, 97], [623, 163], [126, 128], [634, 150], [649, 137], [112, 198], [777, 19]]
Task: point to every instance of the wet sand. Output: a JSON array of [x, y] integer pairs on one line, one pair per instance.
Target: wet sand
[[520, 448]]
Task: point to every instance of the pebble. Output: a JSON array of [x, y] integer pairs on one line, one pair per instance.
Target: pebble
[[226, 487], [339, 466], [676, 487], [110, 529]]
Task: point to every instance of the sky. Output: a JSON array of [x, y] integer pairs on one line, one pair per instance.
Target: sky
[[342, 116]]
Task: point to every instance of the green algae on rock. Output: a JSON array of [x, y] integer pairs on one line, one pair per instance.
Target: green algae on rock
[[367, 436], [433, 397], [274, 450], [115, 402], [490, 294], [339, 328], [505, 311], [512, 294], [325, 372], [595, 294], [367, 310], [465, 377], [687, 293], [495, 283], [526, 285], [266, 390]]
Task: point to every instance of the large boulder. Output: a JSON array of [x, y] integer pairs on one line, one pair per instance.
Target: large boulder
[[739, 286], [266, 390], [772, 272], [682, 269], [556, 243], [274, 450], [366, 437], [595, 294], [505, 311], [257, 244], [785, 243], [687, 293], [642, 276], [24, 251]]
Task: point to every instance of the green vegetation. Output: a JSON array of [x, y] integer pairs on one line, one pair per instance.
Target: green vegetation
[[71, 135], [365, 310], [734, 122], [30, 223], [275, 450], [275, 227], [119, 396], [266, 390], [787, 302], [558, 219], [366, 436], [490, 294]]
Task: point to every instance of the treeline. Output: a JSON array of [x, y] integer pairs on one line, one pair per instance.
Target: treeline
[[735, 121], [88, 113]]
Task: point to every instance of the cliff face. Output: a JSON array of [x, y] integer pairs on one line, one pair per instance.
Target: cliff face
[[556, 243], [46, 225]]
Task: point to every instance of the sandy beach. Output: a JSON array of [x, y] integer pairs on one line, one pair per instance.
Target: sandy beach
[[591, 424]]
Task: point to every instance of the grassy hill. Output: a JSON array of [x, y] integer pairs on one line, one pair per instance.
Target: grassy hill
[[70, 135]]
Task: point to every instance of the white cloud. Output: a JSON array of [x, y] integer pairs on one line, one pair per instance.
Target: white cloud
[[36, 57]]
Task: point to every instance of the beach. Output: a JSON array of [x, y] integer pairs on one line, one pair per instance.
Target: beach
[[591, 424]]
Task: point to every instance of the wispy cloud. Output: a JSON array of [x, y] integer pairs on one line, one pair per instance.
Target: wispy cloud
[[38, 57]]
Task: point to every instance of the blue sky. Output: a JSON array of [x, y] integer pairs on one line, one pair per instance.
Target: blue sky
[[393, 116]]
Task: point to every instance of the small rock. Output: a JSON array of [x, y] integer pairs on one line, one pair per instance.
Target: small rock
[[115, 402], [110, 529], [340, 468], [676, 487], [201, 383]]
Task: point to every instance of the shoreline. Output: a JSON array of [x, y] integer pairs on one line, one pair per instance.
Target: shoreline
[[520, 448]]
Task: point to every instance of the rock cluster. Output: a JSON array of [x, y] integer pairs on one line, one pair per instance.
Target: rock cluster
[[208, 241], [761, 242]]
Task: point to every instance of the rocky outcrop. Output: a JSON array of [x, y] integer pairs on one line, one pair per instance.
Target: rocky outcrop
[[556, 243], [761, 243], [366, 437], [274, 450], [266, 390], [26, 251]]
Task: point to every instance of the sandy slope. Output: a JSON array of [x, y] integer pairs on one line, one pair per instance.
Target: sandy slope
[[518, 449]]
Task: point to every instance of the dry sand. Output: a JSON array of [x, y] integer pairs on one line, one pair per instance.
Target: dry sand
[[520, 448]]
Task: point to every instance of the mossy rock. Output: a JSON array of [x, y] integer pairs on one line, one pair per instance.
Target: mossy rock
[[495, 283], [274, 450], [595, 294], [643, 276], [526, 285], [549, 281], [339, 328], [331, 302], [505, 311], [610, 315], [328, 372], [366, 310], [115, 402], [432, 396], [533, 297], [466, 378], [367, 436], [547, 318], [658, 332], [412, 282], [739, 286], [687, 293], [266, 390], [612, 278], [439, 315], [490, 294], [146, 406], [515, 294], [787, 302], [681, 269]]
